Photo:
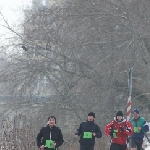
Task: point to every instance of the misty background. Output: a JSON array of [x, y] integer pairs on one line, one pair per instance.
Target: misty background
[[67, 58]]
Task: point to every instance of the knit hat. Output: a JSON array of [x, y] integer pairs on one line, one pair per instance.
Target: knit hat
[[136, 111], [91, 114], [119, 113]]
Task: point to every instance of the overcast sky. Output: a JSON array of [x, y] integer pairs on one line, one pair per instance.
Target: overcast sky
[[12, 10]]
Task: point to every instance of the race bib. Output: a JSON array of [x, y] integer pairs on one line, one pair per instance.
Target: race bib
[[49, 144], [115, 130], [136, 130], [87, 135], [114, 134]]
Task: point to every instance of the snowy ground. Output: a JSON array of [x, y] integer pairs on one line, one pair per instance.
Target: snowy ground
[[148, 148]]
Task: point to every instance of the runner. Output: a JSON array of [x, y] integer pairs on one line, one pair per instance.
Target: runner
[[88, 131], [140, 128], [50, 135], [119, 129]]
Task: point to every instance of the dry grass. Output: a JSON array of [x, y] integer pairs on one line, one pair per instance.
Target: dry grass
[[16, 137]]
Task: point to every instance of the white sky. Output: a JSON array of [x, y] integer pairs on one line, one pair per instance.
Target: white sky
[[12, 10]]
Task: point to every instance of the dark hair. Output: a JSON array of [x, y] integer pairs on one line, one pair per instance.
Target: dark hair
[[91, 114], [52, 117]]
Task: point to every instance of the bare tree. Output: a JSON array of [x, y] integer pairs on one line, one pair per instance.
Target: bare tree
[[77, 56]]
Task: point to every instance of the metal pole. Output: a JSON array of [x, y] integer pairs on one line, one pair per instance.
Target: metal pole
[[129, 98], [129, 94]]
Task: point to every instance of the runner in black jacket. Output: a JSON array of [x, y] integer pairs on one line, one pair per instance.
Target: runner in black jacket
[[88, 131], [51, 136]]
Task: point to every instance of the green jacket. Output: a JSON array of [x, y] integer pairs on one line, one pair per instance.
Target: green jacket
[[141, 122]]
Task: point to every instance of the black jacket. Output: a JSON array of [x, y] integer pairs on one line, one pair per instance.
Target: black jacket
[[88, 126], [48, 133]]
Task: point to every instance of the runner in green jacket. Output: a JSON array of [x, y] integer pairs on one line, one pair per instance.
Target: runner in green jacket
[[140, 126]]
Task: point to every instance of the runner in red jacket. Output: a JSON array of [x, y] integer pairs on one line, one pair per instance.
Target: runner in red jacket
[[119, 129]]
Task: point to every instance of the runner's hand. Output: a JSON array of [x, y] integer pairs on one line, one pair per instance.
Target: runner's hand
[[42, 147], [76, 136], [111, 133], [54, 144], [94, 134], [121, 129]]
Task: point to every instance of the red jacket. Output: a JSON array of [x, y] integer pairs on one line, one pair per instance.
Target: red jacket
[[121, 135]]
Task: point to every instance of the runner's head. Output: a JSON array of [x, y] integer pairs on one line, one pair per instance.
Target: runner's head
[[51, 121], [91, 116], [136, 113], [119, 116]]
